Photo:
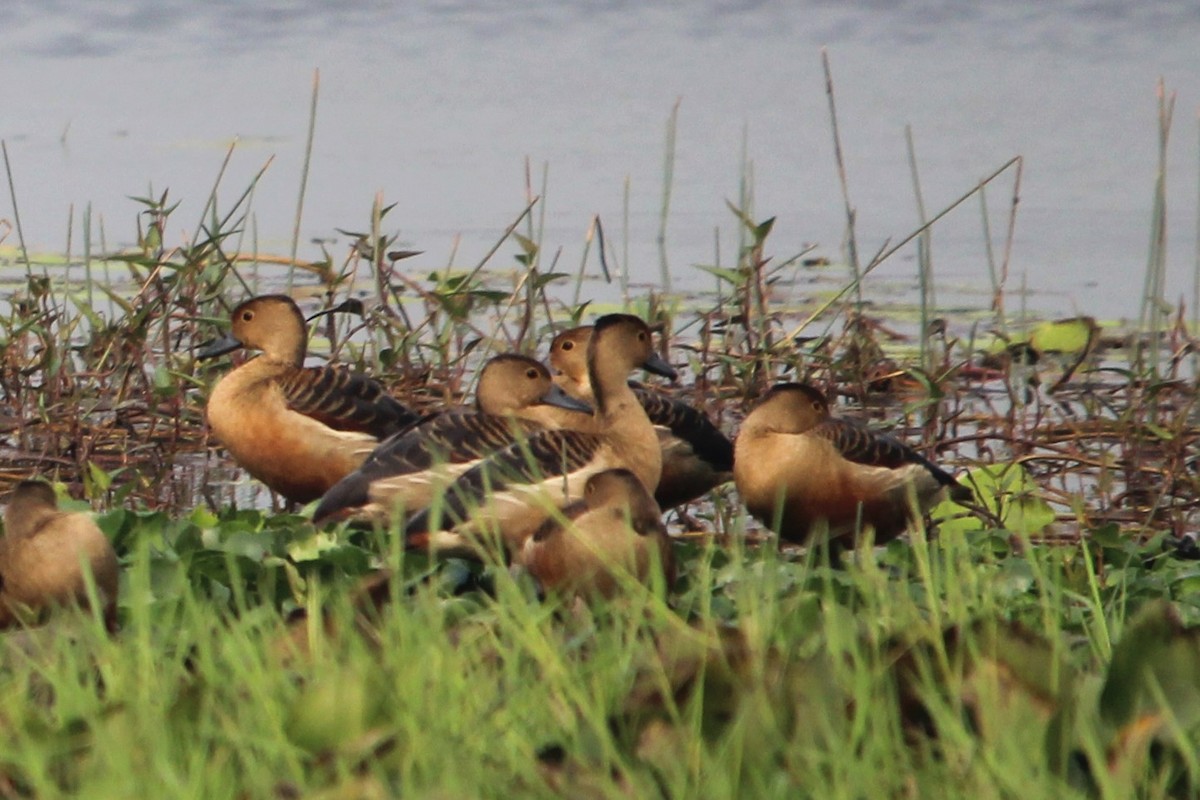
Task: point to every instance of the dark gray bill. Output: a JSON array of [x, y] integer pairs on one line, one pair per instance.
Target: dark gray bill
[[218, 347], [557, 397]]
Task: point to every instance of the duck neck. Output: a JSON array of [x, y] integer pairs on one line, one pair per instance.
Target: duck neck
[[611, 394], [21, 523], [292, 350], [576, 385], [292, 343]]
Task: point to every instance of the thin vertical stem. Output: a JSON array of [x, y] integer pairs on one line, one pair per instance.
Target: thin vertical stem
[[210, 204], [924, 254], [1152, 289], [308, 145], [989, 253], [1196, 264], [12, 193], [70, 236], [1009, 236], [87, 254], [851, 239], [668, 182], [624, 245]]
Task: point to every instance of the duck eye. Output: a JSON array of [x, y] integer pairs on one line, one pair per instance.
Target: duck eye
[[531, 373], [568, 345], [247, 316]]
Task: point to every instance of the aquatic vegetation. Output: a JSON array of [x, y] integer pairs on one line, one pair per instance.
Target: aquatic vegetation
[[1041, 639]]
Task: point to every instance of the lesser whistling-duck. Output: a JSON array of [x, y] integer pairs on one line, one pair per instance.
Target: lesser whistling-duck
[[44, 555], [696, 456], [613, 534], [297, 429], [801, 471], [515, 396], [511, 493]]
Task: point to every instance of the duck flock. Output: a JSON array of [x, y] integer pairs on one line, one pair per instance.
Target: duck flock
[[565, 475]]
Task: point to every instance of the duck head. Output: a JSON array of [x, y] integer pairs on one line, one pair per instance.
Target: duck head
[[271, 323]]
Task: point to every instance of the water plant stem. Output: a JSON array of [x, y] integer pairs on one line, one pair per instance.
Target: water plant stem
[[668, 184], [856, 275], [12, 193], [308, 145], [924, 253]]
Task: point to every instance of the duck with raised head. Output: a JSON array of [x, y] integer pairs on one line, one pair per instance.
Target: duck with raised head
[[516, 396], [697, 457], [612, 535], [297, 429], [45, 556], [512, 492], [801, 471]]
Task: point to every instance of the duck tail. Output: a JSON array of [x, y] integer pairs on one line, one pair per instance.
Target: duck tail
[[961, 493], [342, 498]]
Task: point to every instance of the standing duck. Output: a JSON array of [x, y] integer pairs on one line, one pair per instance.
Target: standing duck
[[801, 471], [44, 554], [696, 456], [297, 429], [614, 531], [516, 396], [511, 493]]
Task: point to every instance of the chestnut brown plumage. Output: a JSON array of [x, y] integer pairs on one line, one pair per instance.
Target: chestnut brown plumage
[[297, 429], [800, 470], [696, 455], [45, 555]]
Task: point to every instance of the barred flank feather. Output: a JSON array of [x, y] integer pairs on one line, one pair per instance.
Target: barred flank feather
[[345, 400]]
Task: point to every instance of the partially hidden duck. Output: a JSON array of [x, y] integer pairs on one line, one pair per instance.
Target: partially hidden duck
[[803, 472], [506, 497], [611, 536], [697, 457], [44, 554], [297, 429], [515, 397]]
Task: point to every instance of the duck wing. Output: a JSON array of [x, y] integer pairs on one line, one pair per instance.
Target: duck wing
[[458, 436], [863, 446], [452, 437], [345, 400], [530, 461], [691, 425]]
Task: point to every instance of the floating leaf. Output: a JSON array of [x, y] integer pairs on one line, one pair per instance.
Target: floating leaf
[[1074, 335], [1009, 491]]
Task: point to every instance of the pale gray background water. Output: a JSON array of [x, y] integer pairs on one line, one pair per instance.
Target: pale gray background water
[[438, 104]]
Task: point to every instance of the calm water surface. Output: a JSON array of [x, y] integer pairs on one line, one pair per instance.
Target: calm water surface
[[438, 104]]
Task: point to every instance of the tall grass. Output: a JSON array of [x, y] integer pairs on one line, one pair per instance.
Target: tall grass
[[903, 673]]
